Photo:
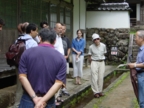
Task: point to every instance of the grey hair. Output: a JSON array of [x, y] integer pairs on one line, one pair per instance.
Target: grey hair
[[141, 33]]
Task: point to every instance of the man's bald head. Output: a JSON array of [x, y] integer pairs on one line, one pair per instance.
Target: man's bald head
[[58, 28]]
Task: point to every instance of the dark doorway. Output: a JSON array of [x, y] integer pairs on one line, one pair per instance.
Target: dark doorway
[[133, 13], [8, 81]]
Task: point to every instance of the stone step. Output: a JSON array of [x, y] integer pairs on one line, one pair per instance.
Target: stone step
[[5, 69], [7, 96], [76, 91]]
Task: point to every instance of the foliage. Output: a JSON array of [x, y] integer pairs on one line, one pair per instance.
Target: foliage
[[132, 31], [136, 105]]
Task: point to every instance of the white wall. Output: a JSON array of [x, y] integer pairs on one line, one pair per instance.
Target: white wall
[[107, 19], [79, 16]]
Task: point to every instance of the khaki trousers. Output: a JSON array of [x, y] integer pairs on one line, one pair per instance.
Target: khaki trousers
[[67, 68], [97, 75], [19, 92]]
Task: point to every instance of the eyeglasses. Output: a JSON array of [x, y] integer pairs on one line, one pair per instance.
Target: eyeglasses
[[96, 39]]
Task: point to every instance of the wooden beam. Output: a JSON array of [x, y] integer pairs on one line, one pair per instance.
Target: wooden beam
[[101, 1], [128, 1], [94, 1]]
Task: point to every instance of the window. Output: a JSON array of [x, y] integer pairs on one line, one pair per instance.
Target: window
[[69, 1], [8, 12], [53, 15], [44, 11], [35, 11], [31, 11], [62, 15], [68, 18]]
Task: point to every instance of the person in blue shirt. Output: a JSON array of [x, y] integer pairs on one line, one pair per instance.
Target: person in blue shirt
[[28, 31], [139, 66], [78, 45]]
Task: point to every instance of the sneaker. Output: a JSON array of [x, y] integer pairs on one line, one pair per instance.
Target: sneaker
[[96, 95], [101, 94], [61, 92], [65, 92]]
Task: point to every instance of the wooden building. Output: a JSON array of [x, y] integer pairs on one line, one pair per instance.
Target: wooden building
[[14, 12], [137, 6], [71, 12]]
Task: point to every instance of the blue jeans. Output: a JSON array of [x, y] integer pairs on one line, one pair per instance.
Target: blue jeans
[[140, 77], [26, 102]]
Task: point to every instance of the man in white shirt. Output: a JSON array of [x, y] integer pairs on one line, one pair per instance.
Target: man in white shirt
[[58, 45], [97, 56]]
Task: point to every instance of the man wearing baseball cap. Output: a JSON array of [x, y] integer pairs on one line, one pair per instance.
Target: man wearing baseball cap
[[97, 56]]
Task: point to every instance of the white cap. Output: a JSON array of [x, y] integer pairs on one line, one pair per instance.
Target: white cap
[[95, 36]]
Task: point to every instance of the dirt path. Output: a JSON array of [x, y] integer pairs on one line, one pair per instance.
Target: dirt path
[[121, 97]]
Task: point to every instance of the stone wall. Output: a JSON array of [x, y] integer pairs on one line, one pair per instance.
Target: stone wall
[[111, 37]]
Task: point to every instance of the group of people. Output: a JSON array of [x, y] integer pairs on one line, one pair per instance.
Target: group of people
[[42, 71], [43, 66], [56, 68]]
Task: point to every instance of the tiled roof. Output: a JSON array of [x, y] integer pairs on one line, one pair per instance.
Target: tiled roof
[[109, 7]]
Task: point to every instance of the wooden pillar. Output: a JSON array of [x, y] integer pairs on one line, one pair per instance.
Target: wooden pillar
[[138, 13]]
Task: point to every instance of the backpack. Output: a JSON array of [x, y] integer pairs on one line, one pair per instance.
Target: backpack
[[15, 51]]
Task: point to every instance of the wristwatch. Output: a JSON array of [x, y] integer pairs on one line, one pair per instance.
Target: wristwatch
[[135, 65], [33, 96]]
